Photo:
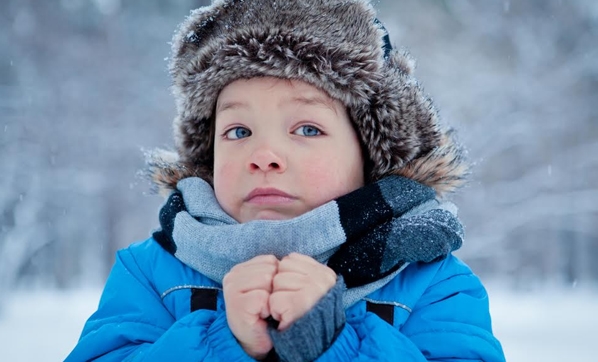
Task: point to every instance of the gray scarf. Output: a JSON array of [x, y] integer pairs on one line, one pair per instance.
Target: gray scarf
[[368, 236]]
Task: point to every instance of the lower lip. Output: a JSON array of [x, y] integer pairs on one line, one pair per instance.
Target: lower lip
[[270, 200]]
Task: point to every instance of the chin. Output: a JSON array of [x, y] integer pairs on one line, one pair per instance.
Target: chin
[[269, 215]]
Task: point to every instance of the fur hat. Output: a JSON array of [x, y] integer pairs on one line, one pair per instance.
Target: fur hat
[[336, 45]]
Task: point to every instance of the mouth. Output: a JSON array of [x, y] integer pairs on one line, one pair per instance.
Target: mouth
[[269, 196]]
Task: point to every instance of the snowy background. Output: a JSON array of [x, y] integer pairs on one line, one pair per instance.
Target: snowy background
[[547, 326], [84, 88]]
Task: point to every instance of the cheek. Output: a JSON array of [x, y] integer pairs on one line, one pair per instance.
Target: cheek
[[224, 177], [326, 179], [225, 164]]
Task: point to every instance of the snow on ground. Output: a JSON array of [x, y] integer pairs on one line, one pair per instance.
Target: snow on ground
[[44, 325], [555, 325], [551, 325]]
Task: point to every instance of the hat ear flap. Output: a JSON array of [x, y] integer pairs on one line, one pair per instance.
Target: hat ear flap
[[194, 138], [401, 60], [401, 123]]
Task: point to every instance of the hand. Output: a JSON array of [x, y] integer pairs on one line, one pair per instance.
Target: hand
[[300, 283], [247, 288]]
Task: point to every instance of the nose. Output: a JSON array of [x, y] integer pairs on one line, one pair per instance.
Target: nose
[[266, 159]]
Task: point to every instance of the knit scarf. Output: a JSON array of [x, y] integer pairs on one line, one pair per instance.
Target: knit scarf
[[367, 236]]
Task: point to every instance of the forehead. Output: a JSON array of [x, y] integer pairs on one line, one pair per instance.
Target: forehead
[[244, 93]]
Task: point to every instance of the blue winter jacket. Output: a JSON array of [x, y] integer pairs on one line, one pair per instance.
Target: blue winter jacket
[[440, 314]]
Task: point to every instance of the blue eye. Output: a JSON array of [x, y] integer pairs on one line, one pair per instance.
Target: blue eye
[[237, 133], [308, 131]]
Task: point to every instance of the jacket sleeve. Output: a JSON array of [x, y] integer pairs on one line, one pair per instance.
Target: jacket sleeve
[[132, 324], [449, 322]]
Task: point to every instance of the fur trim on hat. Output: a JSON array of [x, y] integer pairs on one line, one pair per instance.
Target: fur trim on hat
[[335, 45]]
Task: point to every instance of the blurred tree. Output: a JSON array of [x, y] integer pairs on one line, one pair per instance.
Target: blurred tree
[[519, 78], [82, 89]]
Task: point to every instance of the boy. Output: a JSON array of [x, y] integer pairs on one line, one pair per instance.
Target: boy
[[302, 222]]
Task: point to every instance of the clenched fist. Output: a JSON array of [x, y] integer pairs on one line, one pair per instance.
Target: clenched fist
[[299, 284], [264, 287], [247, 288]]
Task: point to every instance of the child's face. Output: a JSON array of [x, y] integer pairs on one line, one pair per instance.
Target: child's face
[[282, 148]]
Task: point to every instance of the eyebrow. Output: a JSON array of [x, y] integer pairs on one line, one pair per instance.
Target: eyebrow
[[221, 107], [302, 100], [315, 100]]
